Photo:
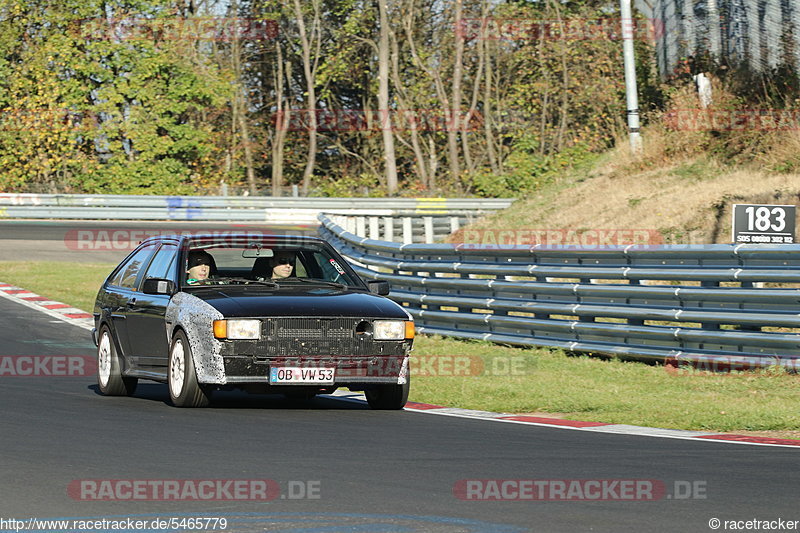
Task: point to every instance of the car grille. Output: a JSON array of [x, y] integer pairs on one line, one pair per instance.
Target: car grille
[[297, 337], [310, 328]]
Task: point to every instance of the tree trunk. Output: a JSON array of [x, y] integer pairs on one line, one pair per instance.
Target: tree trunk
[[488, 117], [311, 97], [282, 118], [383, 101], [241, 106], [454, 122]]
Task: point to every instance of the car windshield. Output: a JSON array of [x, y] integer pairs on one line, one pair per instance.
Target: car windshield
[[265, 264]]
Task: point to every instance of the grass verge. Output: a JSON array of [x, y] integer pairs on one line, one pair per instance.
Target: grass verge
[[479, 375], [72, 283]]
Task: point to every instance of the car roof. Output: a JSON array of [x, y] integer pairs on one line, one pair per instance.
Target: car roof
[[237, 238]]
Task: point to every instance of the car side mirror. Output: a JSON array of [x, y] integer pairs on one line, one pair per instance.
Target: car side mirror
[[379, 287], [158, 286]]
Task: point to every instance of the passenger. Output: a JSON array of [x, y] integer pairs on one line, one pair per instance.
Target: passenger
[[199, 264], [282, 265]]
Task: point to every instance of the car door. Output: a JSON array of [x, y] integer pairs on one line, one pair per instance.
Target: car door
[[146, 326], [121, 290]]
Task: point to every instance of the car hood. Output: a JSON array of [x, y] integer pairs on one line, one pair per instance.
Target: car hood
[[239, 301]]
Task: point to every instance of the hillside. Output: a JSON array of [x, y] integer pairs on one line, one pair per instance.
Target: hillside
[[681, 188]]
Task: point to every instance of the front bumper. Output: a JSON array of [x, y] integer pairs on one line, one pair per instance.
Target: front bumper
[[348, 370]]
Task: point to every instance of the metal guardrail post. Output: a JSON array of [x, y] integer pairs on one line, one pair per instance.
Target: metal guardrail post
[[374, 228], [428, 223], [454, 225], [388, 229], [408, 235]]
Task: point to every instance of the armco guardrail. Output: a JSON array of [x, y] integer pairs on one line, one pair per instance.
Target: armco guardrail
[[699, 303], [263, 209]]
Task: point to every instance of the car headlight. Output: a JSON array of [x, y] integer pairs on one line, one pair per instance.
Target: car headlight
[[393, 330], [237, 329]]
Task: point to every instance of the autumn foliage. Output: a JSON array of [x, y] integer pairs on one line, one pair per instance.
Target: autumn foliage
[[164, 97]]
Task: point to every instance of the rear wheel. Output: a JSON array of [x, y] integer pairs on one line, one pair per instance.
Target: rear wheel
[[388, 396], [184, 390], [109, 374]]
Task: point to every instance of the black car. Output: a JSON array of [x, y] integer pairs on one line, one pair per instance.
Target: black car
[[268, 314]]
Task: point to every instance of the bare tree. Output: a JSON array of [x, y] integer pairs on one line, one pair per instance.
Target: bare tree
[[454, 110], [282, 120], [383, 100], [239, 105], [310, 66]]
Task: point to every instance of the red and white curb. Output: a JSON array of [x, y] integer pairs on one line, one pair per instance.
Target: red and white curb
[[597, 427], [61, 311], [77, 317], [601, 427]]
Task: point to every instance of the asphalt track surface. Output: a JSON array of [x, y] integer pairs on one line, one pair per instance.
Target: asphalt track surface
[[371, 471]]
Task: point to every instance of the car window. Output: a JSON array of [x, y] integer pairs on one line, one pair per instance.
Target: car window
[[161, 263], [330, 267], [127, 273], [236, 263]]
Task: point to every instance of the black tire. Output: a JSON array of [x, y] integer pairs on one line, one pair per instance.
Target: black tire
[[388, 396], [184, 390], [109, 374]]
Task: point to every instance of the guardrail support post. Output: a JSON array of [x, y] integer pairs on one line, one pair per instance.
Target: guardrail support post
[[388, 229], [454, 225], [408, 234], [428, 222], [374, 228], [361, 226]]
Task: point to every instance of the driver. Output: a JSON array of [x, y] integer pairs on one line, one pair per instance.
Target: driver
[[282, 265], [199, 266]]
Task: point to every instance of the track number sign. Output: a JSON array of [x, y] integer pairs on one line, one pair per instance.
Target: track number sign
[[763, 224]]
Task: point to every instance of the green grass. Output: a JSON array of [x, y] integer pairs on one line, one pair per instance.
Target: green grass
[[73, 283], [479, 375], [610, 390]]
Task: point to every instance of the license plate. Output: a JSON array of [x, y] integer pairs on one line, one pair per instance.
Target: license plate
[[290, 375]]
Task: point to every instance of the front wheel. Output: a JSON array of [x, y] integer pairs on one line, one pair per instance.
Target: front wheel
[[388, 396], [184, 390], [109, 374]]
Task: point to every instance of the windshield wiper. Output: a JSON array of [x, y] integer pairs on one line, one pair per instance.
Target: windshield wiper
[[319, 282], [248, 281]]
